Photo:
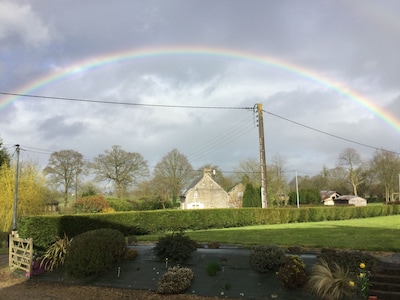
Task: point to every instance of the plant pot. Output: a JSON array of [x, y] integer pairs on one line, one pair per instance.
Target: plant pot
[[372, 297]]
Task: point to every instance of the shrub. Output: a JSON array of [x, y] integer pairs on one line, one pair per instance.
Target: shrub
[[55, 254], [3, 239], [266, 258], [176, 247], [91, 204], [213, 268], [176, 280], [327, 282], [293, 273], [94, 251], [131, 254], [349, 259], [120, 204], [213, 245]]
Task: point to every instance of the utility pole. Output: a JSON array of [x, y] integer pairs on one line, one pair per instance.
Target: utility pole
[[14, 228], [263, 163], [297, 192]]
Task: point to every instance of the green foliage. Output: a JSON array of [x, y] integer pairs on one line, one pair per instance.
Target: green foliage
[[4, 239], [94, 251], [44, 228], [154, 204], [267, 258], [120, 204], [293, 273], [176, 280], [213, 268], [251, 196], [4, 156], [55, 254], [90, 204], [175, 247], [330, 282], [349, 259], [306, 196]]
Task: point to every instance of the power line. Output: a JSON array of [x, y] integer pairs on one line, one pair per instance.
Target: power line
[[124, 103], [327, 133]]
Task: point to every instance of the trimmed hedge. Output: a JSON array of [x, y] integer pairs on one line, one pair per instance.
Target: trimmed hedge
[[44, 229]]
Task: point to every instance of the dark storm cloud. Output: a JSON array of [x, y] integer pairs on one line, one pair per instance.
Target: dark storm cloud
[[57, 128], [354, 43]]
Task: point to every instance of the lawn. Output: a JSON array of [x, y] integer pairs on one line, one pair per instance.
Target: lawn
[[370, 234]]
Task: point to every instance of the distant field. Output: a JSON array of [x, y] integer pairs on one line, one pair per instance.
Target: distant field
[[370, 234]]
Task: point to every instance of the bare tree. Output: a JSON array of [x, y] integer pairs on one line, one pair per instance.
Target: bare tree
[[386, 167], [121, 167], [248, 171], [171, 174], [64, 168], [351, 161], [277, 184]]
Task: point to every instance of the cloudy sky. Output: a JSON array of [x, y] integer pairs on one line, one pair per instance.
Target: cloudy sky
[[187, 75]]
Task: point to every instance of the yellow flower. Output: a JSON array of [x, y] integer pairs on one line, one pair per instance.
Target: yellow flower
[[362, 266], [362, 275], [351, 283]]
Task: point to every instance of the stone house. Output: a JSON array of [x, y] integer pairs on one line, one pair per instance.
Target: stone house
[[236, 195], [204, 192]]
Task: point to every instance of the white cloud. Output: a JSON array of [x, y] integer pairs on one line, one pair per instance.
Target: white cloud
[[20, 21]]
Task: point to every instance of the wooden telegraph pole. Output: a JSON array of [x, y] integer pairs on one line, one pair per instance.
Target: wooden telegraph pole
[[263, 163]]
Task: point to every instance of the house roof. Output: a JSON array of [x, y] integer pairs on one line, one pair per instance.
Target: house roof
[[348, 197], [327, 194], [193, 184]]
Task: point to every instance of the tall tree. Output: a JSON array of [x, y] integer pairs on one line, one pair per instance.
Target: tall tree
[[386, 166], [31, 192], [172, 173], [277, 184], [4, 156], [120, 167], [64, 168], [251, 196], [351, 161], [248, 171]]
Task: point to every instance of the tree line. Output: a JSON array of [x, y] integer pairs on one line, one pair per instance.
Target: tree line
[[67, 172]]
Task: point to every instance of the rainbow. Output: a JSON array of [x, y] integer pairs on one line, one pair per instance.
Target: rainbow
[[110, 58]]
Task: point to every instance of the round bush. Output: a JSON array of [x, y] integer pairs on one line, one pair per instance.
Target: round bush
[[94, 252], [267, 258], [176, 247], [176, 280]]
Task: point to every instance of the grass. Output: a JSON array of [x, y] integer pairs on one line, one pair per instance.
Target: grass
[[369, 234]]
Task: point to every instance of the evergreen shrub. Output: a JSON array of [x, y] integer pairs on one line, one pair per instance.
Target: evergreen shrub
[[267, 258], [120, 204], [175, 247], [94, 251]]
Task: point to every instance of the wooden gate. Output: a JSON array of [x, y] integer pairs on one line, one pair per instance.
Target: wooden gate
[[21, 253]]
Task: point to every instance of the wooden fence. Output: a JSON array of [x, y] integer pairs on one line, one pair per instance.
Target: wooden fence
[[21, 253]]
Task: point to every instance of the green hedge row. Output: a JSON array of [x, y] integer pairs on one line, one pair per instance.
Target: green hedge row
[[44, 229]]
